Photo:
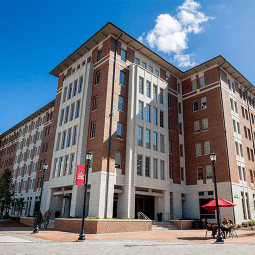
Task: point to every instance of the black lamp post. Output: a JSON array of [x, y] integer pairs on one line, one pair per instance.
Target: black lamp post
[[82, 234], [36, 226], [219, 237]]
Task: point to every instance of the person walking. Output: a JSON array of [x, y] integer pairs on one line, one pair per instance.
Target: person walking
[[39, 219], [47, 215]]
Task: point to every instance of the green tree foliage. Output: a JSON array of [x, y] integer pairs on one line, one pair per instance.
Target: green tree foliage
[[6, 190]]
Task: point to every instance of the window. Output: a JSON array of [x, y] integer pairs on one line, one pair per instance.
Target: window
[[207, 147], [78, 109], [144, 65], [123, 55], [180, 108], [242, 111], [244, 174], [202, 82], [80, 86], [205, 124], [238, 127], [203, 102], [150, 69], [74, 135], [140, 110], [140, 85], [161, 100], [180, 128], [169, 102], [148, 139], [117, 160], [195, 105], [67, 114], [168, 81], [156, 72], [69, 137], [60, 165], [155, 141], [89, 60], [194, 85], [196, 126], [161, 119], [171, 171], [169, 124], [137, 61], [155, 168], [122, 78], [246, 114], [58, 143], [237, 148], [121, 103], [181, 150], [198, 149], [252, 155], [229, 84], [208, 172], [200, 173], [148, 113], [241, 150], [61, 118], [72, 164], [63, 140], [155, 92], [245, 132], [170, 147], [119, 130], [248, 153], [99, 55], [140, 136], [95, 100], [231, 104], [249, 133], [162, 144], [234, 125], [179, 88], [240, 173], [97, 77], [66, 164], [182, 174], [64, 97], [139, 165], [93, 130], [148, 89], [70, 92], [162, 170], [155, 116], [147, 167]]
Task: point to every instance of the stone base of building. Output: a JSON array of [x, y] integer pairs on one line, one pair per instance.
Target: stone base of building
[[28, 221], [102, 226]]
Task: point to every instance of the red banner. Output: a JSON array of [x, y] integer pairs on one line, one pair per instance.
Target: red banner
[[80, 175]]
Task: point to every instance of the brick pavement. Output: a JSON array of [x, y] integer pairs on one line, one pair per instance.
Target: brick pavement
[[187, 236]]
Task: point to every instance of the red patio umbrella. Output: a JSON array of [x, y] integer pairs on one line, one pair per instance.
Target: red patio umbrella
[[211, 206]]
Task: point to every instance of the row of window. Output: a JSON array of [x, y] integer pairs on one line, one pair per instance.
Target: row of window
[[72, 90], [200, 172], [32, 139], [120, 103], [62, 166], [203, 104], [26, 169], [201, 84], [75, 113], [148, 140], [69, 137], [239, 149], [155, 95], [147, 173], [148, 114], [197, 125], [28, 154], [144, 65], [206, 148], [250, 154]]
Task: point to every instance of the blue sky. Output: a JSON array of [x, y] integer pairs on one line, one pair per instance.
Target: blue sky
[[38, 35]]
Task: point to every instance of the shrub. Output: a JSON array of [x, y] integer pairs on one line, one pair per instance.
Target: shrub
[[245, 224]]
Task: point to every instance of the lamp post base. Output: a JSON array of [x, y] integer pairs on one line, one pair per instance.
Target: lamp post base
[[36, 230], [219, 239], [81, 237]]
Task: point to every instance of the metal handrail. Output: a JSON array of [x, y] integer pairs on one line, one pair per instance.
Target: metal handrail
[[175, 218], [141, 214]]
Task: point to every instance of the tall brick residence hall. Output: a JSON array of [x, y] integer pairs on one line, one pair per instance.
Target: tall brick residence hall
[[150, 128]]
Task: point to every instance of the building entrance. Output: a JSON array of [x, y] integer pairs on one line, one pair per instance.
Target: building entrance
[[144, 204]]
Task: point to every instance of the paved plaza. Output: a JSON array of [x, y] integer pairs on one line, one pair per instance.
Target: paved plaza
[[21, 241]]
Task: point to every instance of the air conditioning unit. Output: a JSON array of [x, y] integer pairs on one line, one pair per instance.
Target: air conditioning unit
[[203, 106]]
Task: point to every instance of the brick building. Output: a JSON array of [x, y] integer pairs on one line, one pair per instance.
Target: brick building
[[150, 128]]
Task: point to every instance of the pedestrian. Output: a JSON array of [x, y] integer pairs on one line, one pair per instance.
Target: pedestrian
[[39, 219], [47, 215]]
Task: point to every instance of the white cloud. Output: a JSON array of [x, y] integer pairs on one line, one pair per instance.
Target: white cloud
[[170, 34]]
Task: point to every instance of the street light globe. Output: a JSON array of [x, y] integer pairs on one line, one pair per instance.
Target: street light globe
[[213, 156], [45, 166], [88, 156]]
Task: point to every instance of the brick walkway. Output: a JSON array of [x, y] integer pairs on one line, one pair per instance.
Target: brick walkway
[[172, 236]]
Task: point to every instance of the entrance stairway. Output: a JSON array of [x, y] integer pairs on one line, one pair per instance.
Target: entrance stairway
[[163, 226]]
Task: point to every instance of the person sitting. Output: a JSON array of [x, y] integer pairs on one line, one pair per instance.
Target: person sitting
[[226, 227]]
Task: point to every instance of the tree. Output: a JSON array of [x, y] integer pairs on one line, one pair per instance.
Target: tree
[[6, 190]]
